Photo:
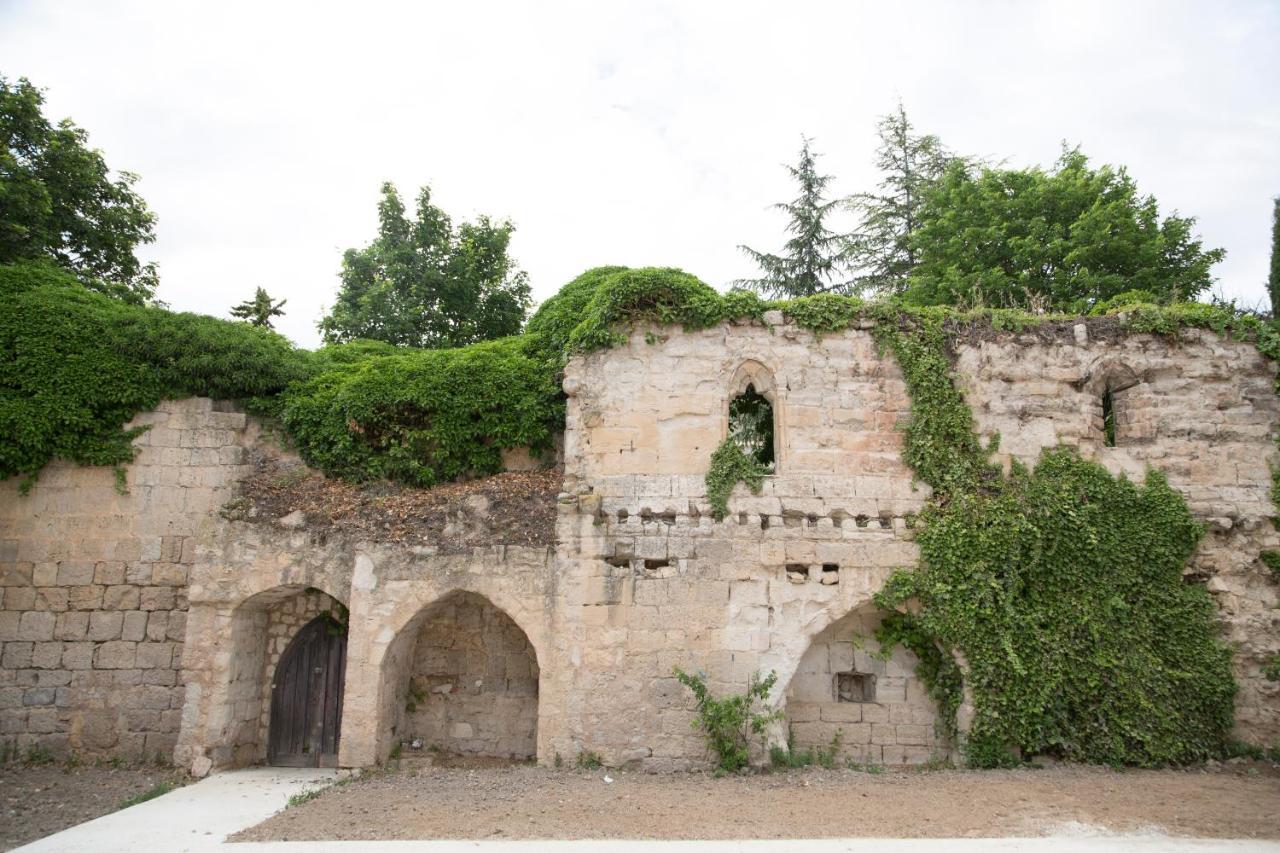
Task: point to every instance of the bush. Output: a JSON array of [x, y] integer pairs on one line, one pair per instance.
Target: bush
[[728, 723], [425, 416], [75, 366]]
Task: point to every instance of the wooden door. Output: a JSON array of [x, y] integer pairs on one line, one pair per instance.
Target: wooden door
[[306, 697]]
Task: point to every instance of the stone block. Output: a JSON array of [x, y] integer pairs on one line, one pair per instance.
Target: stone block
[[71, 626], [46, 655], [16, 574], [108, 573], [36, 625], [134, 627], [105, 625], [120, 597], [75, 573], [116, 654]]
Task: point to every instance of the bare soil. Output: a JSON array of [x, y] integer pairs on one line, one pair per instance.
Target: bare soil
[[512, 508], [36, 801], [1238, 800]]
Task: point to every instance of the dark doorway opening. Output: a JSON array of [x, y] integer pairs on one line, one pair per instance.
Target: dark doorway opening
[[306, 697]]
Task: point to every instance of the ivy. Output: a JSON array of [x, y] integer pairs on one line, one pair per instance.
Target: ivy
[[1061, 586], [730, 466]]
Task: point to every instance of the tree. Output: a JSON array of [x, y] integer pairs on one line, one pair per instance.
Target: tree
[[815, 258], [1273, 281], [1060, 240], [259, 310], [58, 200], [880, 248], [424, 283]]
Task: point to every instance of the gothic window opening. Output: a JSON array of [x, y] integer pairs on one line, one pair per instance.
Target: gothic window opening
[[751, 426]]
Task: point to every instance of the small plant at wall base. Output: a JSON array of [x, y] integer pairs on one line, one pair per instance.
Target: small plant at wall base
[[728, 723]]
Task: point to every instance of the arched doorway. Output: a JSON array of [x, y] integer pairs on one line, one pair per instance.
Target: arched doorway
[[306, 696], [461, 678]]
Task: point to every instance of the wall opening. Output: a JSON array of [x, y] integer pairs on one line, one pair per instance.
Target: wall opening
[[751, 426], [876, 705], [463, 680], [1108, 418]]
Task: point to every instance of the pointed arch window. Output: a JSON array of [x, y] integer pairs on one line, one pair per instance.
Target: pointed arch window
[[753, 415]]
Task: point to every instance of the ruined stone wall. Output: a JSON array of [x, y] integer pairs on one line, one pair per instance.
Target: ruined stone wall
[[143, 623], [1203, 411], [653, 582], [94, 587]]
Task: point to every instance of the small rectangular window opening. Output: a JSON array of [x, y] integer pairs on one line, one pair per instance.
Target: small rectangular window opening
[[855, 687]]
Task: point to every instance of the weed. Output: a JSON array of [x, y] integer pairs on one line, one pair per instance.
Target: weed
[[589, 760], [156, 790]]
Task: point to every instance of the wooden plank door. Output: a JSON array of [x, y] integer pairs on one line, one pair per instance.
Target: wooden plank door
[[306, 697]]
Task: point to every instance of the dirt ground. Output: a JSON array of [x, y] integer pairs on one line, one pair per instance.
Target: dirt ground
[[1239, 800], [39, 801]]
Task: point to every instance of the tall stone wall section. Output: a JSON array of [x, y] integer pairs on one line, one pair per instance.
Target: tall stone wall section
[[1200, 409], [94, 586]]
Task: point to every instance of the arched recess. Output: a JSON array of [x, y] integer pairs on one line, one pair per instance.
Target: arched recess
[[261, 629], [461, 677], [877, 709], [753, 402], [1114, 395]]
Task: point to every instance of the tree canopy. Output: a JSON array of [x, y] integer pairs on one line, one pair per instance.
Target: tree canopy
[[59, 200], [425, 283], [815, 259], [259, 310], [880, 247], [1065, 239]]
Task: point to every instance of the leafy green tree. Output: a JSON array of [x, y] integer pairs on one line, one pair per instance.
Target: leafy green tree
[[880, 248], [1273, 281], [815, 259], [425, 283], [58, 200], [259, 310], [1060, 240]]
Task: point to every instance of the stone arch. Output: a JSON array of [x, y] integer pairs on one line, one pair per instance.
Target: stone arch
[[231, 653], [461, 675], [752, 378], [839, 689]]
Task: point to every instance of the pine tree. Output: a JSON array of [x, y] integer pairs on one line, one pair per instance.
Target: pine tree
[[880, 249], [814, 259], [1273, 281], [259, 310]]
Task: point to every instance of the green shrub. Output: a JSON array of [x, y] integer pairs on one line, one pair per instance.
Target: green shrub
[[425, 416], [75, 366], [1062, 587], [729, 466], [728, 723]]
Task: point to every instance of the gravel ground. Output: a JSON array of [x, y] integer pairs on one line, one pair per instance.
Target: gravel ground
[[1238, 800], [42, 800]]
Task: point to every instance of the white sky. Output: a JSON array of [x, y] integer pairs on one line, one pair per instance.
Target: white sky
[[627, 133]]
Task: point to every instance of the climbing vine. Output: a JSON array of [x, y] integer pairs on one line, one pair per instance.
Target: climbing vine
[[1062, 587], [730, 466]]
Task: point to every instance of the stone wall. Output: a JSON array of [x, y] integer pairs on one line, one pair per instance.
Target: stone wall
[[1201, 410], [143, 623], [94, 587], [474, 683]]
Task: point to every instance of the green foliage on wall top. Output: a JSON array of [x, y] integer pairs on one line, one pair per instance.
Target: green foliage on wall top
[[425, 416], [75, 366]]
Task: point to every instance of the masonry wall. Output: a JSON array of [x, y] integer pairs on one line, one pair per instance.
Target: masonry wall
[[94, 587], [143, 623]]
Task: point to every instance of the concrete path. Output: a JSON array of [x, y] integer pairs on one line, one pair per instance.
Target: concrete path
[[191, 819], [197, 819]]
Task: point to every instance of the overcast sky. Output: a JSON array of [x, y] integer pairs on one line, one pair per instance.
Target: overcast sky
[[619, 133]]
